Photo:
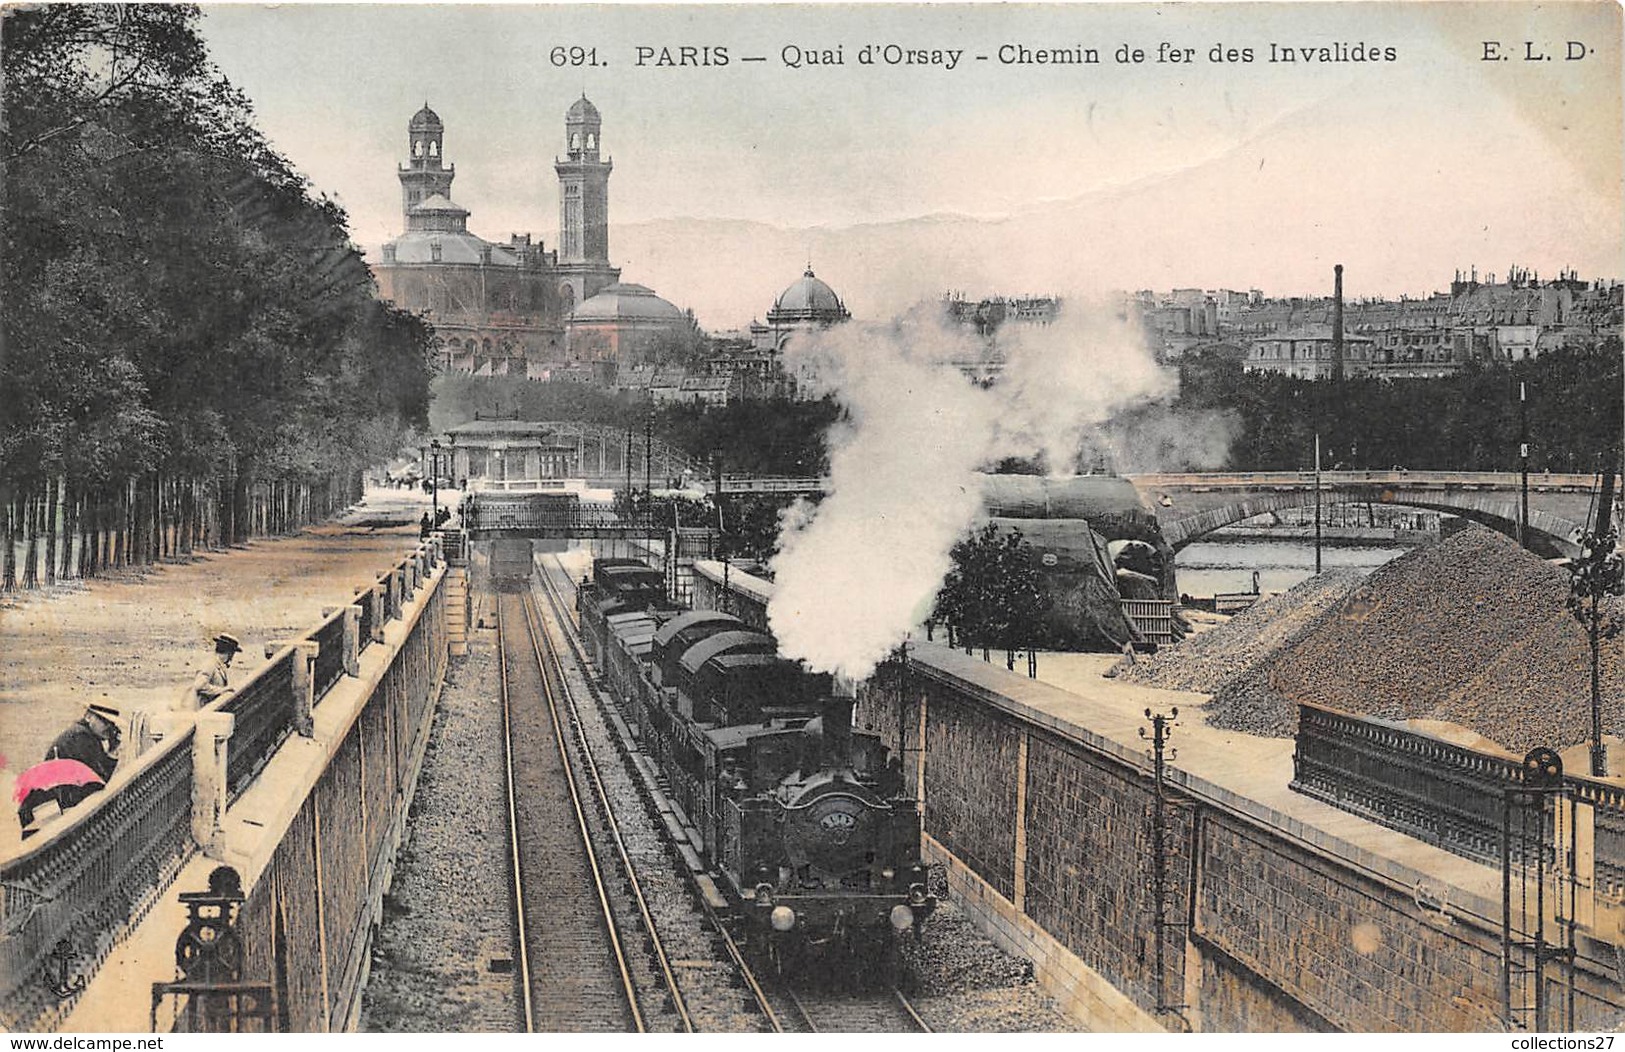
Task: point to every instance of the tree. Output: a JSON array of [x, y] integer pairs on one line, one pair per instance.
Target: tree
[[188, 330], [991, 597]]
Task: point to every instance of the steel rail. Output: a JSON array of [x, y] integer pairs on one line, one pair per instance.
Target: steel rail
[[532, 619], [925, 1028], [520, 941], [572, 636], [845, 1023], [662, 959]]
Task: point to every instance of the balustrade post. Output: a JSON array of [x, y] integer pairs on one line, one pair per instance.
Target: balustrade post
[[304, 686], [304, 680], [373, 599], [352, 640], [210, 745], [393, 583]]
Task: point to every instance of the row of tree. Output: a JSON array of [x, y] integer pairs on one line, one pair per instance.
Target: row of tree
[[1468, 422], [753, 436], [194, 350]]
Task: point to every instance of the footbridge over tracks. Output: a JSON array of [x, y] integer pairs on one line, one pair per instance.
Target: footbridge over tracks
[[1190, 505]]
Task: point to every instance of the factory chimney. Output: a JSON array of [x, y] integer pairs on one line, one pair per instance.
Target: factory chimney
[[1337, 323]]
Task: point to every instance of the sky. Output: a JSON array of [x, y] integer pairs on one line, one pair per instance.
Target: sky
[[903, 181]]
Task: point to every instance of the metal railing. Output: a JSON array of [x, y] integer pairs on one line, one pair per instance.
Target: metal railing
[[80, 887], [329, 640], [364, 600], [1442, 793], [1334, 479], [1445, 794], [264, 710], [85, 881]]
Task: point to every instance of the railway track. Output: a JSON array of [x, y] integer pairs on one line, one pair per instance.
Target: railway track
[[879, 1011], [777, 1004], [574, 967], [715, 980]]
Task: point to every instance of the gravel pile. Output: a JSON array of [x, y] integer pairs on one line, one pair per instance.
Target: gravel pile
[[1472, 631], [1204, 662], [959, 981]]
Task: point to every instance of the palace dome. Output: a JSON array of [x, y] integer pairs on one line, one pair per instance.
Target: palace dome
[[808, 300], [625, 301]]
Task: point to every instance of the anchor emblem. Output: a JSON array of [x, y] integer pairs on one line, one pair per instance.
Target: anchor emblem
[[57, 977]]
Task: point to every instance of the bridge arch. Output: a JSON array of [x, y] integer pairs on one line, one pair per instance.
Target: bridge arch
[[1550, 535]]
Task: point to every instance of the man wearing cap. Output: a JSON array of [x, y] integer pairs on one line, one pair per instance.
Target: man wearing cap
[[79, 762], [211, 682]]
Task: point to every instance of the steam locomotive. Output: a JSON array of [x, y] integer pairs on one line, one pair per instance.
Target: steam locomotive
[[804, 819]]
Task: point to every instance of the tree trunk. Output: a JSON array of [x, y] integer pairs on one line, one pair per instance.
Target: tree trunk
[[155, 543], [51, 526], [31, 511], [241, 522], [183, 529], [8, 582]]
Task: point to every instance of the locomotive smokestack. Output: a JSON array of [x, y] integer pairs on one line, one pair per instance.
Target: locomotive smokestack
[[838, 722], [1337, 322]]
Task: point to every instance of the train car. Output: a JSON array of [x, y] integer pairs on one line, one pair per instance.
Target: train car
[[616, 586], [803, 818], [510, 563]]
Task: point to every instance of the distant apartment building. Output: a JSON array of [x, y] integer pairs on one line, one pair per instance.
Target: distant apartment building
[[987, 316], [1479, 319], [1309, 353]]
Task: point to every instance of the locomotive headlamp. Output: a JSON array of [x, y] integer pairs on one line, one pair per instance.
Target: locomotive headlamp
[[902, 918], [916, 894], [783, 918], [764, 895]]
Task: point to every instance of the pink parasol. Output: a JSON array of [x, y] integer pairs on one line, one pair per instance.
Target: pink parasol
[[52, 773]]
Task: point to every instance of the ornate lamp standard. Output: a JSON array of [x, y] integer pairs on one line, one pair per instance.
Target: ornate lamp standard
[[434, 477]]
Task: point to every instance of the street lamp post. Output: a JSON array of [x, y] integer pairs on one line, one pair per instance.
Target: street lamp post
[[1523, 462], [434, 478], [1317, 502]]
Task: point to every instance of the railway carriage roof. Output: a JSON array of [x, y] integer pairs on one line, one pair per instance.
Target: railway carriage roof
[[709, 647], [731, 662], [669, 630]]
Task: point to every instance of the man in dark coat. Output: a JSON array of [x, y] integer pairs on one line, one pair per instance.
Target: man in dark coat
[[93, 741]]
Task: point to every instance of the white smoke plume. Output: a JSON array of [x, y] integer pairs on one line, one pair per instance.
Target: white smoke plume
[[1062, 381], [1162, 438], [855, 574]]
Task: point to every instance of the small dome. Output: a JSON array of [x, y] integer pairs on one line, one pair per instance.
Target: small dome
[[581, 110], [808, 300], [439, 203], [626, 302], [425, 120]]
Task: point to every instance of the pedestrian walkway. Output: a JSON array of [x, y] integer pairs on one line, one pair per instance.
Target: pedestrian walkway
[[137, 641]]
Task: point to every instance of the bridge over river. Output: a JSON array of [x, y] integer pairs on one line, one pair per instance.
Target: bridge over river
[[1190, 505]]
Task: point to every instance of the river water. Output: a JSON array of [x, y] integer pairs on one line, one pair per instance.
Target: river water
[[1207, 567]]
